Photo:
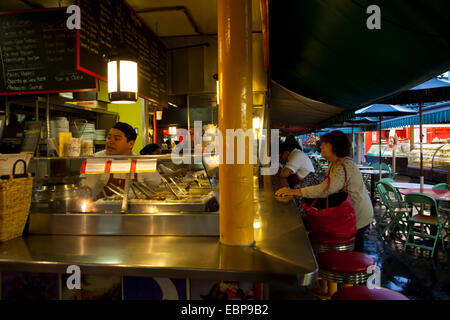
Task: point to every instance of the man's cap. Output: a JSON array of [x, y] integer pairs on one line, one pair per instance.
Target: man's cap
[[127, 130]]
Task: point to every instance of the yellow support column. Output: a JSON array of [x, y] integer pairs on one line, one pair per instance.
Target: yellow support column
[[235, 112]]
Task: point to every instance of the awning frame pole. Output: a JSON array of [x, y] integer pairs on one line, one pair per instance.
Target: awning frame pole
[[379, 146], [421, 139]]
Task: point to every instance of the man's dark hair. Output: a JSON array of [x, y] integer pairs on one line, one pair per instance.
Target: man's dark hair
[[339, 141], [149, 149], [127, 130]]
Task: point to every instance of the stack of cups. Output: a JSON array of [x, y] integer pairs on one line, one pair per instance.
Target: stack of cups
[[60, 124]]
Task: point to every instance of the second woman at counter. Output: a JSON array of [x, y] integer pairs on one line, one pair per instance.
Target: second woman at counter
[[335, 147], [298, 170]]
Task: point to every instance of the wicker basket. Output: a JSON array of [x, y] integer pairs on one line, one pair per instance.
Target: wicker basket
[[15, 200]]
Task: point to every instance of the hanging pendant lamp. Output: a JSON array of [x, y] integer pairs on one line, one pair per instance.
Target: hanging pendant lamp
[[122, 77]]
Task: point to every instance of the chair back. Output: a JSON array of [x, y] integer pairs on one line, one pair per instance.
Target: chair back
[[386, 180], [390, 188], [384, 166], [384, 196], [440, 186], [424, 200]]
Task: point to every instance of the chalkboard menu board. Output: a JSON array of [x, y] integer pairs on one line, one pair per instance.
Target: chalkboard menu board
[[108, 22], [38, 54]]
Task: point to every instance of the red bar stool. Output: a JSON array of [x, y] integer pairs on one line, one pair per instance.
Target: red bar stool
[[322, 243], [346, 268], [364, 293]]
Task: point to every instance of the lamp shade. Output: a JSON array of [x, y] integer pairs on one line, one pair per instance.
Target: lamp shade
[[122, 80], [172, 131], [255, 123], [159, 115]]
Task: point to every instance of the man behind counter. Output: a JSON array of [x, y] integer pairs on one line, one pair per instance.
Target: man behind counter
[[120, 140]]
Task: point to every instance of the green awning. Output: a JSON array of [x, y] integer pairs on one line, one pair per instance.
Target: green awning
[[344, 130], [430, 115]]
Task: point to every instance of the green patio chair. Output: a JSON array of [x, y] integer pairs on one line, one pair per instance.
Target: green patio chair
[[444, 208], [396, 214], [386, 180], [389, 180], [390, 188], [388, 168], [440, 186], [385, 166], [427, 219], [387, 215], [398, 203], [366, 180]]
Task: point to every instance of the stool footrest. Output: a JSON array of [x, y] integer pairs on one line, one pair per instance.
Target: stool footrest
[[319, 248], [355, 278]]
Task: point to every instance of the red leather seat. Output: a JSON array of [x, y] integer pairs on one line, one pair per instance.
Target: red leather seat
[[344, 262], [364, 293], [324, 239]]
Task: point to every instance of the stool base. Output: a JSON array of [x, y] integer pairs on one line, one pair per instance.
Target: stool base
[[325, 289]]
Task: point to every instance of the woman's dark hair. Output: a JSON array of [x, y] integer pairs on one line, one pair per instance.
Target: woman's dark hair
[[289, 144], [339, 141], [149, 149]]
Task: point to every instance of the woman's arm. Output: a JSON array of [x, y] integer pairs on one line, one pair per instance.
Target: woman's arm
[[337, 183], [285, 172]]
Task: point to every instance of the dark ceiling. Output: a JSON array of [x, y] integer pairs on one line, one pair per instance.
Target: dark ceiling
[[323, 50], [323, 59]]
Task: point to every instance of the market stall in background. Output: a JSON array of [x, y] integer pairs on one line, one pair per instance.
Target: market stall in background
[[402, 135], [400, 140]]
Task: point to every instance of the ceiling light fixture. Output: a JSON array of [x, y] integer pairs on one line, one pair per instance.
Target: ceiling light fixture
[[122, 77]]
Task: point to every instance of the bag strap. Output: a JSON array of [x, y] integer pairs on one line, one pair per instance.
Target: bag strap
[[328, 178], [345, 172], [15, 175], [24, 167], [328, 182]]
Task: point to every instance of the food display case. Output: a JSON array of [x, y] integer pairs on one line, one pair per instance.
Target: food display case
[[401, 150], [436, 161], [435, 155], [123, 195], [401, 155]]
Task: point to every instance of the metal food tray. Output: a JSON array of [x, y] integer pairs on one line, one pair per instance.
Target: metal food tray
[[204, 203]]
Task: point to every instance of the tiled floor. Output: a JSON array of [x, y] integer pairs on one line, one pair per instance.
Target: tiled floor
[[410, 272]]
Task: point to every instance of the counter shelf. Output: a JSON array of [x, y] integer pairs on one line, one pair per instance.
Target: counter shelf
[[281, 253]]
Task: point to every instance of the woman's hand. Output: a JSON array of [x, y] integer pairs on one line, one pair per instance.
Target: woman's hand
[[283, 199], [284, 192]]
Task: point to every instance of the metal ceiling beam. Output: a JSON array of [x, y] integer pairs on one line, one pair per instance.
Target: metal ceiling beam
[[175, 8], [205, 44], [32, 4], [205, 34]]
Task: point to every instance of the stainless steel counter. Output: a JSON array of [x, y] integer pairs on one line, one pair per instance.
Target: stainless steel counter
[[282, 252]]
